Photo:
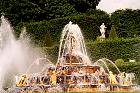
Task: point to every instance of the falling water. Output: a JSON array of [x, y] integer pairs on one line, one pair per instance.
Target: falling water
[[72, 42], [105, 62], [15, 54]]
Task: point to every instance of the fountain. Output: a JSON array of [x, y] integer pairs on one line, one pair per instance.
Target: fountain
[[15, 54], [73, 72], [72, 45]]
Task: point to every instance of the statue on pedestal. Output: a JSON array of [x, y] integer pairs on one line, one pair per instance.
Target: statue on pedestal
[[102, 30]]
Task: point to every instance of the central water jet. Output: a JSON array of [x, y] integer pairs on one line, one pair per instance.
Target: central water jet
[[72, 44]]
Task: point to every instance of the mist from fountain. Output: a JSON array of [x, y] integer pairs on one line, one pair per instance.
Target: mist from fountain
[[15, 54]]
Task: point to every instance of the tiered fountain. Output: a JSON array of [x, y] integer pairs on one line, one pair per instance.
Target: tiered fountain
[[74, 72]]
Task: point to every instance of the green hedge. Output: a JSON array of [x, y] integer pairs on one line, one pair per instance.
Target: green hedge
[[111, 49], [88, 24], [115, 49]]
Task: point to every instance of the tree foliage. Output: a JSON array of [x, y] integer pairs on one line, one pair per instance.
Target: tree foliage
[[84, 5], [113, 34], [126, 22], [47, 40], [37, 10]]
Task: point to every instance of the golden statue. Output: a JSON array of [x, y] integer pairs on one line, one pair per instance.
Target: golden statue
[[112, 78], [53, 78], [22, 81]]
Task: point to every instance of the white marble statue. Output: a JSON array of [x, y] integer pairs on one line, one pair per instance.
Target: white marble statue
[[102, 30]]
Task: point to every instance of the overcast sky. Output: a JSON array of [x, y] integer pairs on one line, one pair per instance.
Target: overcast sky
[[111, 5]]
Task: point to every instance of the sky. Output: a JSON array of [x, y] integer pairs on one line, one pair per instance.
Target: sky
[[111, 5]]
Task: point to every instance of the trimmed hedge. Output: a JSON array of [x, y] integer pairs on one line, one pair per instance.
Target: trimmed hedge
[[115, 49], [111, 49], [88, 24]]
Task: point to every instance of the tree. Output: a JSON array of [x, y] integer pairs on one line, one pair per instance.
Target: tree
[[20, 10], [84, 5], [47, 40], [37, 10], [113, 34], [126, 22]]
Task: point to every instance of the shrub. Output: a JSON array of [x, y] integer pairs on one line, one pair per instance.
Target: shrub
[[119, 62], [113, 34]]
